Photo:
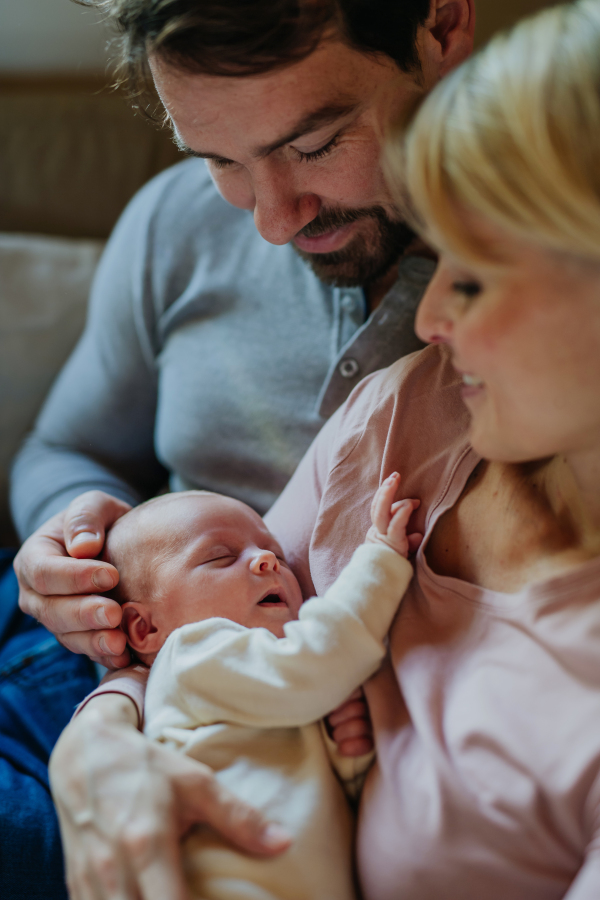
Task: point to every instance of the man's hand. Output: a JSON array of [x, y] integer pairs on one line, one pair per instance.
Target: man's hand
[[350, 726], [124, 803], [59, 577]]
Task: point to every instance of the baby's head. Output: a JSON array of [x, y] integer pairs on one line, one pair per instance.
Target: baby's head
[[190, 556]]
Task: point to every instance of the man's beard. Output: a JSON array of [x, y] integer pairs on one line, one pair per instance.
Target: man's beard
[[367, 257]]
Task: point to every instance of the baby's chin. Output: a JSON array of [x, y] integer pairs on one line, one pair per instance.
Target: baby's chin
[[274, 621]]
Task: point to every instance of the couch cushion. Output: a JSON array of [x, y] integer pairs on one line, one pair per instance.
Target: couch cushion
[[44, 284]]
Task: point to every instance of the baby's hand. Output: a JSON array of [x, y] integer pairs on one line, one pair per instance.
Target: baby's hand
[[390, 519]]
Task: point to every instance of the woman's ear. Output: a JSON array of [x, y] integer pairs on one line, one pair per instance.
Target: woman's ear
[[142, 633], [450, 29]]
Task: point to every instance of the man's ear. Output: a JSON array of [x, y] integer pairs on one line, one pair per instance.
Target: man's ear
[[142, 633], [449, 33]]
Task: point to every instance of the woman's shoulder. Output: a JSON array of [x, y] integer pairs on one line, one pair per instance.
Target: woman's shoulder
[[416, 401], [408, 418]]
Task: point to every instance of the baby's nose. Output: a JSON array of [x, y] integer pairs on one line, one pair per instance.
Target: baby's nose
[[264, 561]]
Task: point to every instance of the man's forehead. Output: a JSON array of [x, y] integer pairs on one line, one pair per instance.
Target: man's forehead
[[332, 81], [306, 123]]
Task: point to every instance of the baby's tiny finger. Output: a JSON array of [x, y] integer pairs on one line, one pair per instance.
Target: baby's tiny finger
[[414, 542], [382, 502], [356, 746], [402, 514]]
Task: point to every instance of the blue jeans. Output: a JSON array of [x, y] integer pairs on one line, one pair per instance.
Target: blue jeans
[[40, 685]]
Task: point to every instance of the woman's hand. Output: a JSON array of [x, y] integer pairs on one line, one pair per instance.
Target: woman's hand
[[124, 803], [59, 577]]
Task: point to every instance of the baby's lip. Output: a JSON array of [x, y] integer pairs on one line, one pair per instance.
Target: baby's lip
[[274, 597]]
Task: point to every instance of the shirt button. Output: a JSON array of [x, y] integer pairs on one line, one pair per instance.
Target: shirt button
[[348, 303], [348, 368]]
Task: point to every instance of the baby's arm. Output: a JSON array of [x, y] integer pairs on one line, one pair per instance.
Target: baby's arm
[[217, 670]]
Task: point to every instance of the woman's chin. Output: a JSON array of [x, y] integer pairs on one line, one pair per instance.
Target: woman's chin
[[496, 446]]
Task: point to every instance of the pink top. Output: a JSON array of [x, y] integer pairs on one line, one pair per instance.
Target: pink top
[[487, 717], [487, 720]]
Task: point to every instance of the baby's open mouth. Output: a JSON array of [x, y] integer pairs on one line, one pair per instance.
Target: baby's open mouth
[[272, 600]]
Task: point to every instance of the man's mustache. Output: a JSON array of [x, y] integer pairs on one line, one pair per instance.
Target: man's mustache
[[330, 219]]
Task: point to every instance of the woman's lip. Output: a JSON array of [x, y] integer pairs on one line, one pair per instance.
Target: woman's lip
[[325, 243], [471, 386], [470, 390]]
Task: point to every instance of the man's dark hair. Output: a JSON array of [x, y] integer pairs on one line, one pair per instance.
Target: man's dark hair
[[249, 37]]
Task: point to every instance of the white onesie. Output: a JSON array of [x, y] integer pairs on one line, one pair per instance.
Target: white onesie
[[248, 704]]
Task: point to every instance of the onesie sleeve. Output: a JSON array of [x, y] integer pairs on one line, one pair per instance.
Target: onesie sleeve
[[218, 671], [131, 682]]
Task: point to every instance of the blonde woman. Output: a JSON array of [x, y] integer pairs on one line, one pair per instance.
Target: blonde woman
[[487, 716]]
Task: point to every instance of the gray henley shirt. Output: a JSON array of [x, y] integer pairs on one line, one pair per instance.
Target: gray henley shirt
[[210, 358]]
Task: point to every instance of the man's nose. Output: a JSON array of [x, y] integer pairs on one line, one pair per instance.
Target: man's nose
[[281, 210], [264, 561]]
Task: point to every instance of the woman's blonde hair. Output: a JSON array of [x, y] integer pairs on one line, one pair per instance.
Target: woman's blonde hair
[[513, 134]]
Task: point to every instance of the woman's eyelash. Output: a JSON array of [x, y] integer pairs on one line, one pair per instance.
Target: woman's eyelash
[[321, 152], [468, 288]]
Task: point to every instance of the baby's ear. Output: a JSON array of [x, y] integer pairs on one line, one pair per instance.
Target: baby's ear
[[142, 633]]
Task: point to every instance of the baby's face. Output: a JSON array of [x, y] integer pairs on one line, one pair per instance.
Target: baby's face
[[204, 555]]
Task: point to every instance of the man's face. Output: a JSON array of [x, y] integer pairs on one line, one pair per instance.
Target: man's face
[[300, 148]]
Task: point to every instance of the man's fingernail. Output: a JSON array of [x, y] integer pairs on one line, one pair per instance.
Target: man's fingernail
[[102, 579], [102, 618], [275, 836], [84, 537], [104, 646]]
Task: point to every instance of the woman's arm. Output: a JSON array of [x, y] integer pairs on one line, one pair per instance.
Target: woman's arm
[[124, 803]]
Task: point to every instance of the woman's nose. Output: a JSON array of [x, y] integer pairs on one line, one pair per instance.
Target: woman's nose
[[433, 323], [264, 561]]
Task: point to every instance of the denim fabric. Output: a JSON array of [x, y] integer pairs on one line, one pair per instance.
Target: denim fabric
[[40, 685]]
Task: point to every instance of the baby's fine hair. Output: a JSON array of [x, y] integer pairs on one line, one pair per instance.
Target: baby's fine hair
[[514, 135], [137, 574]]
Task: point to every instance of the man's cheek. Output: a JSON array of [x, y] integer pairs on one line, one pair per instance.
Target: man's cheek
[[233, 186]]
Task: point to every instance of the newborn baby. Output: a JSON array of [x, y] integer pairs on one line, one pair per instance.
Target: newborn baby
[[242, 672]]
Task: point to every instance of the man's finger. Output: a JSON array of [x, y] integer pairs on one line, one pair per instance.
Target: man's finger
[[97, 644], [209, 802], [86, 520], [62, 615], [50, 574], [162, 876]]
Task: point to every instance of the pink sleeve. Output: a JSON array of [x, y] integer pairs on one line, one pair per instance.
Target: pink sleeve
[[130, 682], [293, 516]]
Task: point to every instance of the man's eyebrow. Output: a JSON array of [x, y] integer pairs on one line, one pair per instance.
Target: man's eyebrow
[[319, 118]]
